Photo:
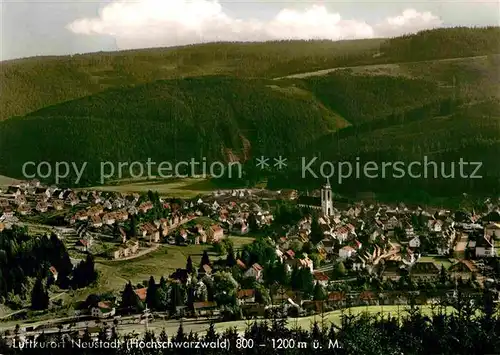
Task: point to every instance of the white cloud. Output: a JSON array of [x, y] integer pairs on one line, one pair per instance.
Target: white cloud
[[409, 21], [149, 23]]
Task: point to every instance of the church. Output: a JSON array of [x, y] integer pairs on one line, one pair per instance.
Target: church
[[323, 203]]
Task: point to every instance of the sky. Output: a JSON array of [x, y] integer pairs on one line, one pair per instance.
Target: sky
[[56, 27]]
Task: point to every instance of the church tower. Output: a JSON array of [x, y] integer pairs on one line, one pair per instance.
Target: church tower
[[326, 199]]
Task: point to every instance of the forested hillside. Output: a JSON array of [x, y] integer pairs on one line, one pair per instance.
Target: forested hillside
[[32, 83], [419, 104], [214, 117], [471, 133]]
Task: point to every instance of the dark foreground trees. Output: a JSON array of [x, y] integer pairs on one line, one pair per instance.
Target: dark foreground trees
[[469, 329]]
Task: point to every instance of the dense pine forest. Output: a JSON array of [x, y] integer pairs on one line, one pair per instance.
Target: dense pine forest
[[25, 261], [434, 93]]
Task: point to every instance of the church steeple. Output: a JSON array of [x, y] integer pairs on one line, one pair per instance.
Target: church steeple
[[326, 199]]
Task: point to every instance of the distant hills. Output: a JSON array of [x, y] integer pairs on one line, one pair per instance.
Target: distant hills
[[433, 93]]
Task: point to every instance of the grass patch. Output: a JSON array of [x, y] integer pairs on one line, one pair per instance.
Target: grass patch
[[182, 188], [157, 263], [438, 260]]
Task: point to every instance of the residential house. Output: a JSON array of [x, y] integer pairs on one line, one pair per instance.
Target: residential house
[[43, 192], [240, 227], [121, 215], [42, 207], [96, 221], [81, 216], [254, 271], [337, 299], [245, 296], [71, 199], [132, 210], [20, 200], [149, 231], [118, 203], [346, 252], [205, 270], [205, 309], [424, 270], [300, 263], [289, 254], [463, 269], [4, 203], [84, 244], [341, 234], [202, 233], [391, 270], [327, 245], [321, 278], [367, 298], [53, 273], [485, 246], [108, 218], [95, 210], [58, 205], [8, 212], [141, 293], [133, 245], [414, 242], [215, 233], [24, 210], [391, 224], [145, 206], [14, 191], [492, 229], [435, 225], [34, 183], [103, 310]]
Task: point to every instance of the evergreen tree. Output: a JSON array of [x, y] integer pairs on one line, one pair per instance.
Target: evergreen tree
[[176, 297], [161, 298], [319, 293], [230, 259], [306, 281], [130, 300], [340, 269], [133, 226], [163, 282], [151, 293], [180, 336], [252, 223], [189, 265], [39, 296], [316, 234], [443, 276], [294, 278], [205, 260]]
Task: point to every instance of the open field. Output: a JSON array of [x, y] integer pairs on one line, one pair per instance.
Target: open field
[[6, 181], [240, 241], [407, 69], [182, 188], [200, 326]]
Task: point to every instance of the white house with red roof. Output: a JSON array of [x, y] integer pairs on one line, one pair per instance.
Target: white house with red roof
[[347, 252], [215, 233]]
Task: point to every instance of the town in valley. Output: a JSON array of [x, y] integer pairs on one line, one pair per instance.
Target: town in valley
[[239, 254]]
